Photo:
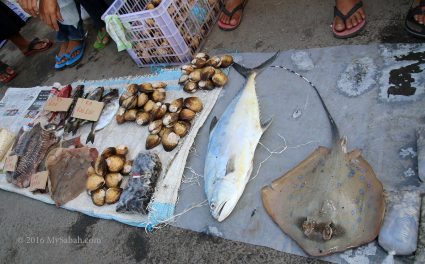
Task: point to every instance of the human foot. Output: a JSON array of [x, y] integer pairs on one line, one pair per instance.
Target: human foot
[[231, 14], [74, 52], [345, 6], [102, 39], [61, 57], [415, 19], [420, 18], [37, 45], [6, 73]]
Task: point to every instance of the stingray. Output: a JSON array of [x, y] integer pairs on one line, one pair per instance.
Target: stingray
[[329, 202]]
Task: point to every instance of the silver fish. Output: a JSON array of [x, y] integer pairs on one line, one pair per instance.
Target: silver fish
[[232, 144]]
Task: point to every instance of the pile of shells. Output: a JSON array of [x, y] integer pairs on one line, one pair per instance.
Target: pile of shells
[[152, 4], [166, 122], [205, 72], [105, 178]]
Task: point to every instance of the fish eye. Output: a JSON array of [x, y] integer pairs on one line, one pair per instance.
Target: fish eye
[[212, 205]]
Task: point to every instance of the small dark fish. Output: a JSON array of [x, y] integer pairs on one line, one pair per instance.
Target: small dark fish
[[95, 95], [141, 186], [78, 93]]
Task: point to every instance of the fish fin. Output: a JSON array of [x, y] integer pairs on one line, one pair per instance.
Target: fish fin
[[265, 125], [213, 123], [230, 167], [90, 137], [244, 71]]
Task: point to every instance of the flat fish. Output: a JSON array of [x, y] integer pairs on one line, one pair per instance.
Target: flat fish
[[31, 151], [329, 202], [68, 172], [6, 141], [141, 185], [232, 144]]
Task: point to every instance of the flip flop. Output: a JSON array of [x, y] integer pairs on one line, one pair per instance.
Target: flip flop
[[74, 61], [99, 45], [31, 47], [58, 65], [230, 14], [3, 70], [411, 25], [347, 33]]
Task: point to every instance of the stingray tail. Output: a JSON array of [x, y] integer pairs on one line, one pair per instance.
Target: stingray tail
[[244, 71]]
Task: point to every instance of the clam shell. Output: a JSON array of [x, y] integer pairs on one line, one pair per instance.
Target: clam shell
[[176, 105], [170, 140], [94, 182], [98, 197], [146, 88], [143, 118], [127, 167], [187, 115], [121, 150], [109, 152], [170, 119], [132, 88], [155, 126], [158, 95], [100, 166], [219, 79], [156, 2], [226, 61], [150, 6], [129, 102], [142, 99], [199, 62], [130, 115], [214, 62], [206, 85], [207, 73], [120, 119], [113, 179], [91, 171], [152, 141], [193, 103], [159, 112], [195, 76], [190, 87], [183, 79], [112, 195], [149, 106], [187, 69], [202, 55], [115, 163], [181, 128], [158, 85]]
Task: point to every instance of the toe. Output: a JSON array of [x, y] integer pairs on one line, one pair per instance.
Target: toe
[[348, 24], [362, 13], [354, 21], [339, 24]]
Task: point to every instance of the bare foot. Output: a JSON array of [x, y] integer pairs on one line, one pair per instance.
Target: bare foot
[[345, 6], [62, 51], [230, 5], [71, 45], [420, 18]]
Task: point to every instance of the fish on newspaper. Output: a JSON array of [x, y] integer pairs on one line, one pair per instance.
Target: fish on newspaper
[[31, 148], [6, 141], [233, 140]]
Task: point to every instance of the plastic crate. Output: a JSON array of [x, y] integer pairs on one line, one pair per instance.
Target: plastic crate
[[169, 34]]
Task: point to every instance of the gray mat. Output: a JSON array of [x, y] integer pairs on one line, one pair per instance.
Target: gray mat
[[354, 81]]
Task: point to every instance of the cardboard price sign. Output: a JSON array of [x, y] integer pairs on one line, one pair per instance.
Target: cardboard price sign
[[39, 181], [58, 104], [10, 163], [88, 109]]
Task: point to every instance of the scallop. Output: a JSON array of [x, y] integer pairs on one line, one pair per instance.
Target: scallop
[[113, 179], [207, 73], [206, 85], [94, 182], [149, 106], [127, 167], [219, 79], [142, 118], [132, 88], [146, 88], [170, 141], [112, 195], [121, 150], [193, 103], [226, 61], [155, 126], [142, 99], [158, 95], [98, 197], [130, 115], [176, 105], [187, 115], [181, 128], [190, 87], [115, 163], [170, 119], [152, 141]]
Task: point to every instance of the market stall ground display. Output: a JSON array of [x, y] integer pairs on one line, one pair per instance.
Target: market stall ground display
[[355, 88], [19, 102]]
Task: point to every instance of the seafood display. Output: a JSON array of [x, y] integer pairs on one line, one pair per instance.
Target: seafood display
[[31, 148], [6, 141], [141, 185], [232, 143], [204, 72], [104, 179], [67, 169], [167, 123], [329, 202]]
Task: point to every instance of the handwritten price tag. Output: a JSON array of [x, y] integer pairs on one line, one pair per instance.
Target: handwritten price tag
[[39, 181], [58, 104], [88, 109], [10, 163]]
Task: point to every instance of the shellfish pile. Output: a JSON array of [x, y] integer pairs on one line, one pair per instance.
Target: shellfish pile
[[105, 178], [205, 72], [166, 122]]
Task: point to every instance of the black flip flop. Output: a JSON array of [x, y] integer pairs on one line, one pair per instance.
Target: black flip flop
[[31, 47], [411, 25], [230, 14]]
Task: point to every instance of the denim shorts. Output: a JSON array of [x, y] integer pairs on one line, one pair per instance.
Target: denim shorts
[[67, 33]]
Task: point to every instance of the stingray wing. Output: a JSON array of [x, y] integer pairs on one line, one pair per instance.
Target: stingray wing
[[341, 195]]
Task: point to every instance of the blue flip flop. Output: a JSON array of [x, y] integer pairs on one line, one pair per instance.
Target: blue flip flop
[[58, 65], [74, 61]]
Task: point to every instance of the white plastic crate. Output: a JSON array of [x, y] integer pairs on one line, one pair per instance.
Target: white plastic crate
[[169, 34]]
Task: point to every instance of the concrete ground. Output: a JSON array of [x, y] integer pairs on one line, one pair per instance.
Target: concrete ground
[[28, 228]]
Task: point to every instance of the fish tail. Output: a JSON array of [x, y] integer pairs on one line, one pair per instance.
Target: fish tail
[[90, 137], [244, 71]]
